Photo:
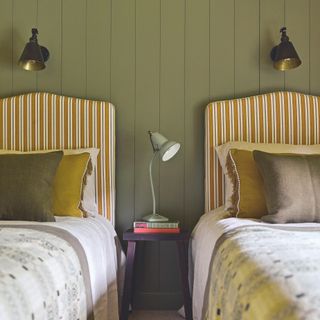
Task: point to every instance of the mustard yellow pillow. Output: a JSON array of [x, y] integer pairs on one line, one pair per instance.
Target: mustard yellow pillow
[[68, 185], [247, 200]]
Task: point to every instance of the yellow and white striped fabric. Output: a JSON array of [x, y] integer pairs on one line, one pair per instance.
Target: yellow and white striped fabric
[[44, 121], [280, 117]]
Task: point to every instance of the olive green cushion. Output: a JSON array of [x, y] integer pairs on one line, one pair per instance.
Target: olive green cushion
[[291, 185], [26, 186]]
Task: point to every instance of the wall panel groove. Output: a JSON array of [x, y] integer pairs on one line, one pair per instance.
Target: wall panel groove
[[297, 22], [271, 20], [49, 14], [314, 47], [24, 18], [171, 200], [6, 47], [74, 35], [146, 118]]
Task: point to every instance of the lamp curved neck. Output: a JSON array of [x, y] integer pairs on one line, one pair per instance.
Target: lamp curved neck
[[151, 184]]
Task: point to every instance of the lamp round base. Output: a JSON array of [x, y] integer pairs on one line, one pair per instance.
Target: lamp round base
[[155, 218]]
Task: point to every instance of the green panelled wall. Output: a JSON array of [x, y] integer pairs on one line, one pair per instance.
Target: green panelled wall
[[160, 62]]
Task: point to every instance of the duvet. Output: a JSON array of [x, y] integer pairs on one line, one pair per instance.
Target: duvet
[[264, 272], [68, 269], [44, 274]]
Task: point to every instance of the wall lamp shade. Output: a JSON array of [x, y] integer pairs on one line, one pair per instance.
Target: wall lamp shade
[[166, 150], [284, 55], [34, 56]]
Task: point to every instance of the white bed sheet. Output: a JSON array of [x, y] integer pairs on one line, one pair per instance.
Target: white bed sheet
[[204, 237], [97, 237]]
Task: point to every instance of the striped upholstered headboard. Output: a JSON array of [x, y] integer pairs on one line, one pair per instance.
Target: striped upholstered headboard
[[44, 121], [281, 117]]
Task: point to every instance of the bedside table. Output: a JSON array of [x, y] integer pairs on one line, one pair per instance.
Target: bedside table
[[182, 241]]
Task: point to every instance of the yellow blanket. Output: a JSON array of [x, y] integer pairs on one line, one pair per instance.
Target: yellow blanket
[[263, 273]]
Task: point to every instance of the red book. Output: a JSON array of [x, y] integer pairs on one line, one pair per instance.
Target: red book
[[156, 230]]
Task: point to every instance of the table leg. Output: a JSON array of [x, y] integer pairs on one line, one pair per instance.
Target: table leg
[[183, 260], [127, 290]]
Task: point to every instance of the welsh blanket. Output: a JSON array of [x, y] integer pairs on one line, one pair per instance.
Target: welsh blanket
[[265, 273], [43, 274]]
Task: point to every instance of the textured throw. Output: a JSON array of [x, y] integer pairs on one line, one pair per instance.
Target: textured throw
[[265, 273], [43, 275]]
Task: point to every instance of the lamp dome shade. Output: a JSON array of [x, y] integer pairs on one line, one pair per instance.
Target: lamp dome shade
[[167, 149], [284, 55], [33, 56]]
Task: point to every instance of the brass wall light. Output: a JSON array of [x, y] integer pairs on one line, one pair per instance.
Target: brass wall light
[[284, 55], [34, 56]]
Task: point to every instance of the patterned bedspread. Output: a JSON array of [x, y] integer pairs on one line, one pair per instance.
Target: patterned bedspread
[[265, 273], [43, 274]]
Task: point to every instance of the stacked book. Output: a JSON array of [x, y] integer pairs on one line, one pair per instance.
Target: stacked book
[[156, 227]]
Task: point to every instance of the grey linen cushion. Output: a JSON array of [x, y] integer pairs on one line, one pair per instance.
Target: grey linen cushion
[[26, 185], [292, 186]]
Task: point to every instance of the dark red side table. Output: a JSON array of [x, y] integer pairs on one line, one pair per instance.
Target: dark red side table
[[182, 241]]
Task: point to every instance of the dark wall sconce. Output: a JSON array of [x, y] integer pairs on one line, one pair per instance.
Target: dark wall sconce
[[284, 55], [34, 56]]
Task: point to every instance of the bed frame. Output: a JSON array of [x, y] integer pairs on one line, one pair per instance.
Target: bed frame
[[279, 117], [44, 121]]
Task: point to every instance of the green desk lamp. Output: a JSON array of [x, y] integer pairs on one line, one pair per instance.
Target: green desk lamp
[[166, 150]]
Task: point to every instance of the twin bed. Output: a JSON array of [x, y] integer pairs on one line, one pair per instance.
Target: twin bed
[[243, 266], [70, 268]]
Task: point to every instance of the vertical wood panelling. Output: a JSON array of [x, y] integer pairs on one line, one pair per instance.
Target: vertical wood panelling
[[314, 47], [24, 19], [221, 49], [98, 52], [159, 62], [196, 97], [49, 17], [123, 81], [172, 125], [147, 118], [271, 20], [74, 43], [6, 47], [297, 22], [246, 47]]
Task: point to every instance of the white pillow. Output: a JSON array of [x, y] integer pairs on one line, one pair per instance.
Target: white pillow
[[89, 202], [223, 150]]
